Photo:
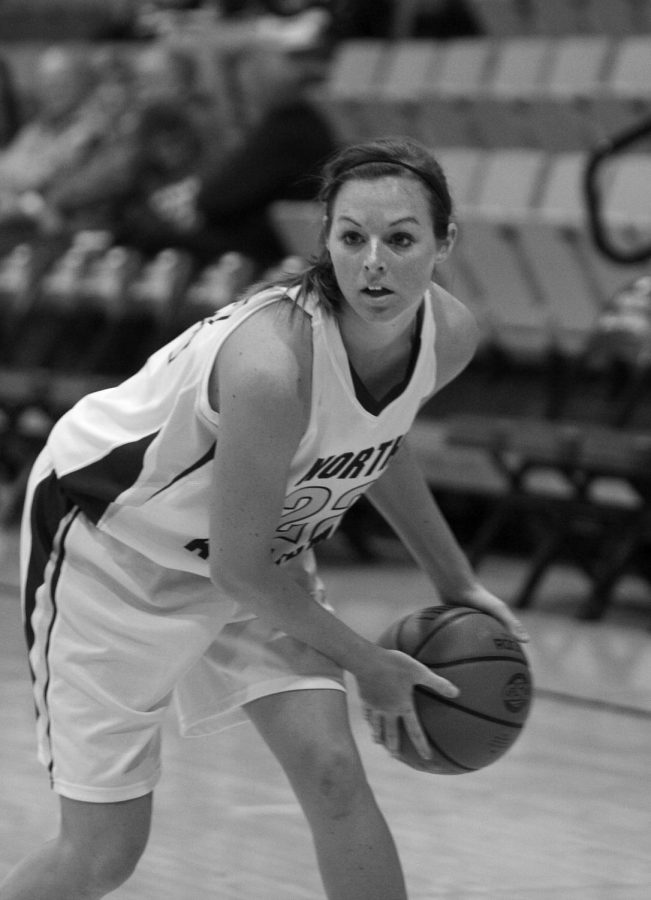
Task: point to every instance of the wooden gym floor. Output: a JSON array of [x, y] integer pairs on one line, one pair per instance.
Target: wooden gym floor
[[566, 815]]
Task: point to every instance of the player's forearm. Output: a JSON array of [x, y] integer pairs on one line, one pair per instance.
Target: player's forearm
[[403, 498], [270, 593]]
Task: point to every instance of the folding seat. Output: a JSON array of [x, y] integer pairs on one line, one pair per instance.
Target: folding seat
[[625, 17], [578, 482], [559, 110], [445, 108], [355, 72], [563, 205], [558, 17], [641, 13], [553, 240], [502, 18], [488, 250], [464, 167], [501, 108], [625, 95], [392, 107], [628, 199]]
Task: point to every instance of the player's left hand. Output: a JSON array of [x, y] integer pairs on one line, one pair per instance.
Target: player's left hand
[[386, 730], [480, 598]]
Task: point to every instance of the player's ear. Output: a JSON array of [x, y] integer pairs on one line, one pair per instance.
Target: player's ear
[[325, 232], [445, 247]]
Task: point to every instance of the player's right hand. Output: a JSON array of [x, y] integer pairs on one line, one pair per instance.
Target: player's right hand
[[387, 694]]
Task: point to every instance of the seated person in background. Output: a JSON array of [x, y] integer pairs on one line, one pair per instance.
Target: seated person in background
[[147, 194], [170, 74], [93, 195], [58, 137], [285, 141], [223, 207], [143, 189], [156, 207], [80, 198], [115, 90]]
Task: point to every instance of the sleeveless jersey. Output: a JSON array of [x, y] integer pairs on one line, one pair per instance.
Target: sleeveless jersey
[[136, 458]]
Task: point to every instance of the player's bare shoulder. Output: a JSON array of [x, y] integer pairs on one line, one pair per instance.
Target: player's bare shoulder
[[457, 334], [269, 355]]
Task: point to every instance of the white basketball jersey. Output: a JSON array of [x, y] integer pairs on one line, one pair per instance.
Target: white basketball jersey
[[136, 458]]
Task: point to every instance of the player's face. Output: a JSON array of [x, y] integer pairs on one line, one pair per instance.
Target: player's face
[[383, 247]]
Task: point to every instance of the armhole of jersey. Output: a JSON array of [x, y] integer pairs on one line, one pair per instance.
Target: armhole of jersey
[[257, 302]]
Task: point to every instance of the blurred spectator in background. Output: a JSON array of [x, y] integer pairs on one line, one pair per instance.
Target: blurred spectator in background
[[284, 141], [115, 89], [162, 128], [142, 188], [9, 106], [146, 193], [156, 206], [80, 197], [66, 125], [168, 73]]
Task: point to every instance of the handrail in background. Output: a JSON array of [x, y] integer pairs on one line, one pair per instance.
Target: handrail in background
[[596, 220]]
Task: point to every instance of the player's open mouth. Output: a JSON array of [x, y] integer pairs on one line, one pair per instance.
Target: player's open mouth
[[376, 291]]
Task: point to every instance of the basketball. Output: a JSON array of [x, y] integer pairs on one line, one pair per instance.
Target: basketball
[[477, 654]]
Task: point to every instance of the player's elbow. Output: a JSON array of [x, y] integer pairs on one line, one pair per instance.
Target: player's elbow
[[236, 578]]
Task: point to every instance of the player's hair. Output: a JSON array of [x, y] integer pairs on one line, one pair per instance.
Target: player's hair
[[393, 156]]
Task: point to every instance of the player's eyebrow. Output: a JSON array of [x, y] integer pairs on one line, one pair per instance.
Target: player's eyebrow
[[401, 221], [405, 219]]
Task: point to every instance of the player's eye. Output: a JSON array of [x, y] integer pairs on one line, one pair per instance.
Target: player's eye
[[402, 239], [351, 238]]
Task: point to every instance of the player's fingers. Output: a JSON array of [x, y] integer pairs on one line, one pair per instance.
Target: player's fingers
[[376, 725], [416, 735], [511, 622], [391, 734], [502, 611], [440, 685], [515, 626]]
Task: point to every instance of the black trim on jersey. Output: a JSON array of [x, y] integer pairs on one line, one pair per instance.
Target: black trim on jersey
[[97, 485], [54, 583], [208, 455], [375, 405], [49, 507]]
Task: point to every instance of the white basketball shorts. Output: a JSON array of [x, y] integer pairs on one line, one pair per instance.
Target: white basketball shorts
[[113, 636]]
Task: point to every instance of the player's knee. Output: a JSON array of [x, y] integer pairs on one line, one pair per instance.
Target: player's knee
[[107, 865], [337, 780], [116, 865]]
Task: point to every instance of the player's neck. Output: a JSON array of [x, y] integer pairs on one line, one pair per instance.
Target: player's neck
[[380, 358], [377, 340]]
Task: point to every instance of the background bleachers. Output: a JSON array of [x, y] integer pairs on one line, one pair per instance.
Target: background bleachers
[[513, 114], [546, 82]]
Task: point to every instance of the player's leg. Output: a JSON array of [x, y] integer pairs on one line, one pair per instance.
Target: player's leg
[[96, 850], [309, 733]]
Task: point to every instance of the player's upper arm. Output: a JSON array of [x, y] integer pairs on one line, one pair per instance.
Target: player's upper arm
[[261, 385], [457, 336]]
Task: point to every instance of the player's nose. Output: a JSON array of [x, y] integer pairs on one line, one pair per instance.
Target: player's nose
[[374, 260]]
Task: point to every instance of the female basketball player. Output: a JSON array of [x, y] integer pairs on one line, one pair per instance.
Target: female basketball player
[[169, 527]]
